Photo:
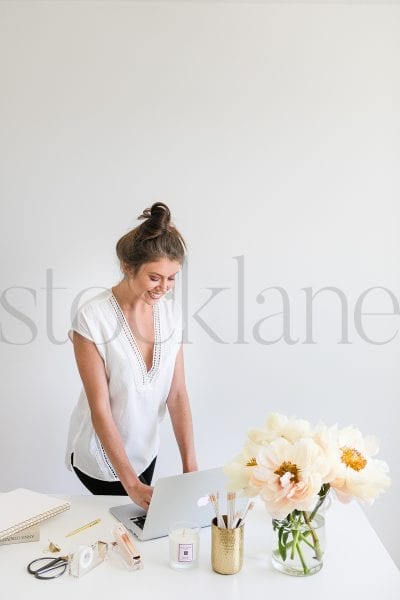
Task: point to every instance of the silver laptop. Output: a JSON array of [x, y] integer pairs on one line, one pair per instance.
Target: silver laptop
[[176, 498]]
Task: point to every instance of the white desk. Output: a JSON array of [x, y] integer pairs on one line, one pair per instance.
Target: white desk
[[353, 568]]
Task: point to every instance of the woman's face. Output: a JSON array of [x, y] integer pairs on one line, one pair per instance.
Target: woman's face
[[154, 279]]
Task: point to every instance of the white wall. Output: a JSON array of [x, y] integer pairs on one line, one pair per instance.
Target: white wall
[[272, 132]]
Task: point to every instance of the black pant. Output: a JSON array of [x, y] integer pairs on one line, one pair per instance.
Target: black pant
[[111, 488]]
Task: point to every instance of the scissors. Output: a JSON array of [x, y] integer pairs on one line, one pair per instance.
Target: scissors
[[45, 565]]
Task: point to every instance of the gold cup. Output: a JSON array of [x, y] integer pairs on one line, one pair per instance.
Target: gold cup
[[226, 548]]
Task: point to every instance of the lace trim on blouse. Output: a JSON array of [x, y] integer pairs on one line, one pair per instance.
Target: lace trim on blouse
[[146, 376]]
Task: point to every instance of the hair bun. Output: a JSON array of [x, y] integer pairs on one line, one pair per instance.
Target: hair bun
[[153, 239], [156, 220]]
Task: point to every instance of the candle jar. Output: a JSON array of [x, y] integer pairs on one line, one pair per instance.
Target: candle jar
[[184, 543]]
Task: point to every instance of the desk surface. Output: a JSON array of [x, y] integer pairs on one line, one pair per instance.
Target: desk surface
[[356, 565]]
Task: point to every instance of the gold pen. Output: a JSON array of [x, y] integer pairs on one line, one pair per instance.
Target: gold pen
[[86, 526]]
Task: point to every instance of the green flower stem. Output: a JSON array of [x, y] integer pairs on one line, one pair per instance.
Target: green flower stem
[[289, 545], [295, 526], [295, 542], [299, 527], [303, 562], [322, 495], [304, 539], [317, 547]]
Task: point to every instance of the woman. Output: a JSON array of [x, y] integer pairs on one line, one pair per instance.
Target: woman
[[127, 343]]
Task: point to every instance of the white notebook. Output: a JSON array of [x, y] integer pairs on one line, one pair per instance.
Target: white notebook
[[22, 508]]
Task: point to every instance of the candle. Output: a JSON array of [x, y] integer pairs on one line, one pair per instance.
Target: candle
[[184, 541]]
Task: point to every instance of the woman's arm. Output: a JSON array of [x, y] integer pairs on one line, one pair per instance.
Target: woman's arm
[[181, 416], [93, 375]]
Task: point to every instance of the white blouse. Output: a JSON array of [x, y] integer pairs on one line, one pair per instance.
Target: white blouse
[[137, 396]]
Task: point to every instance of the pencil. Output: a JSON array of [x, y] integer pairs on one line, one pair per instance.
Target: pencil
[[86, 526]]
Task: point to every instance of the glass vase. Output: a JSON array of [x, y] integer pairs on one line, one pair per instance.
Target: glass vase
[[298, 544]]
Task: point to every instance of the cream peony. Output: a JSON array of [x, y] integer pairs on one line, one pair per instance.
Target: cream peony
[[287, 463], [292, 468], [277, 426], [327, 439], [357, 473], [288, 476], [239, 471]]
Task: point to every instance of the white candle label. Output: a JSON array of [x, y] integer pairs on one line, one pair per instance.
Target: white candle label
[[185, 553]]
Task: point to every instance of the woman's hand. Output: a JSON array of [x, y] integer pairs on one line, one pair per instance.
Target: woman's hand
[[141, 494]]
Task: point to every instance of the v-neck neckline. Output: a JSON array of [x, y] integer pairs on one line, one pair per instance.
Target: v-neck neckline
[[147, 375]]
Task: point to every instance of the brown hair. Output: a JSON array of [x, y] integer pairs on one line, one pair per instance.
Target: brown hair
[[153, 239]]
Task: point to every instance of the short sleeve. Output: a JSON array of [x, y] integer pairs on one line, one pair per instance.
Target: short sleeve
[[80, 324]]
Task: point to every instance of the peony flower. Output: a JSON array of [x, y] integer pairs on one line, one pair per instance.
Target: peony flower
[[292, 468], [239, 471], [345, 462], [327, 439], [289, 476], [277, 426], [357, 473]]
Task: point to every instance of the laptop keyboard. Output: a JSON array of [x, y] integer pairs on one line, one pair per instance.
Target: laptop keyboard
[[139, 521]]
